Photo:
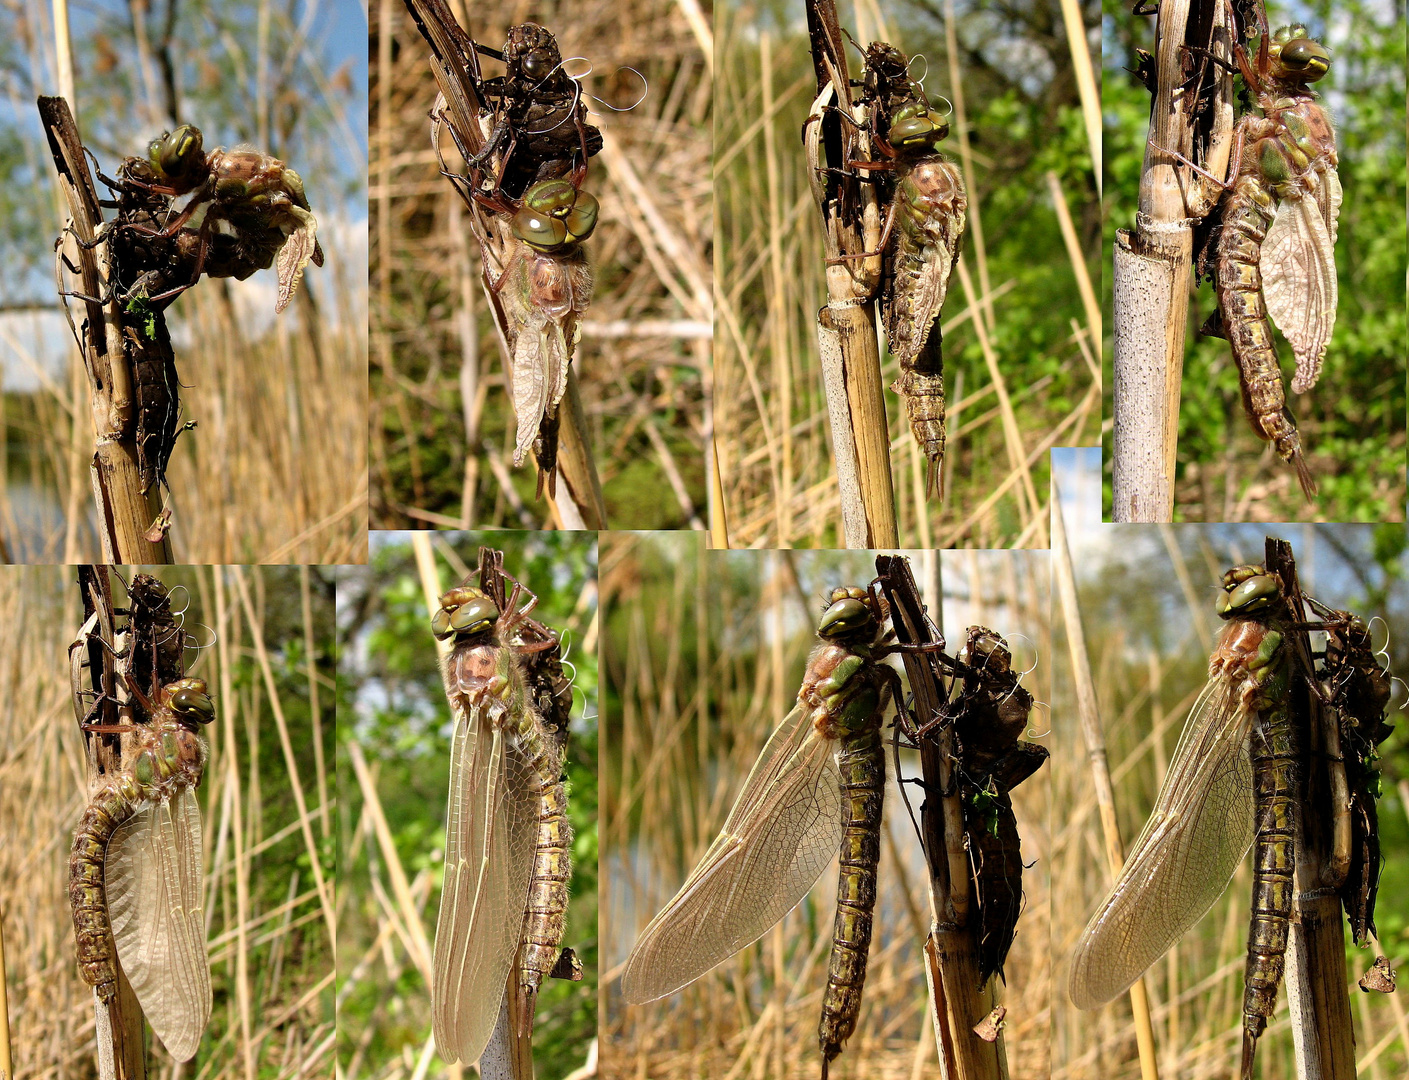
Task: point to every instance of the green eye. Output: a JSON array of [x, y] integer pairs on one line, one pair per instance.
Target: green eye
[[843, 616], [582, 218], [538, 230], [916, 125], [190, 700], [177, 153], [473, 617], [440, 623]]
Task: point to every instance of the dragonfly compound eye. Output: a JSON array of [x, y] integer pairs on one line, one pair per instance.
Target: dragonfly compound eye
[[475, 616], [440, 624], [555, 214], [1252, 594], [843, 617], [177, 153], [1306, 58], [916, 126], [193, 704]]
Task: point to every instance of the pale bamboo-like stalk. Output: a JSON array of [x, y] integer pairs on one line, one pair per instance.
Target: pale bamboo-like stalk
[[1153, 267], [1095, 741], [7, 1068]]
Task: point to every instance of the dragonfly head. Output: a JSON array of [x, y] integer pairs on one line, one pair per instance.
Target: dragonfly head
[[917, 127], [189, 700], [1299, 58], [180, 155], [464, 611], [849, 613], [1248, 590], [555, 216]]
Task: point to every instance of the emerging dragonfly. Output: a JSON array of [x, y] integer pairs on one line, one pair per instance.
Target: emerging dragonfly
[[135, 874], [1275, 249], [1234, 779], [531, 216], [231, 212], [507, 836], [816, 788]]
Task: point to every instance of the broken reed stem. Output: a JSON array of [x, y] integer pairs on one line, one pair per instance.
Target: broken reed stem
[[1318, 1000], [1153, 266], [7, 1068], [123, 512], [958, 1001], [1095, 740], [575, 463]]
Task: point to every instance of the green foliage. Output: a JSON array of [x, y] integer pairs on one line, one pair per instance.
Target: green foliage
[[1352, 422], [391, 702]]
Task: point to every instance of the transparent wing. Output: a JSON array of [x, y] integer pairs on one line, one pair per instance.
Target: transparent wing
[[490, 831], [1299, 278], [1199, 831], [153, 878], [300, 246], [784, 829]]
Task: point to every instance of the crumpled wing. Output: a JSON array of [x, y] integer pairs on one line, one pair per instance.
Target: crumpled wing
[[1299, 277], [153, 878], [490, 831], [539, 377], [784, 829], [1198, 833], [300, 246]]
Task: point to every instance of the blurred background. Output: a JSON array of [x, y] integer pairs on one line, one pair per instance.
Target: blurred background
[[442, 430], [1352, 421], [704, 654], [267, 655], [1146, 599], [1028, 148], [277, 400], [394, 728]]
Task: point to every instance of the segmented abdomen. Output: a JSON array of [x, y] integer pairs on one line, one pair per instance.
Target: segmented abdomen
[[111, 806], [1274, 762], [997, 870], [546, 914], [863, 775], [1248, 215]]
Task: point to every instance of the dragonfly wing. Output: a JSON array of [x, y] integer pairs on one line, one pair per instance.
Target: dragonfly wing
[[490, 831], [784, 829], [1198, 833], [300, 246], [1299, 279], [153, 877]]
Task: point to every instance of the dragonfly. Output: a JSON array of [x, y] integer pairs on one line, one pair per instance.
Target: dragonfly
[[524, 185], [924, 225], [1275, 247], [135, 872], [1232, 783], [230, 213], [508, 840], [816, 789]]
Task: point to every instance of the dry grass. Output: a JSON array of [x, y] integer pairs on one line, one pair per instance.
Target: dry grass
[[703, 654], [1148, 663], [269, 931], [442, 427], [772, 429], [275, 407]]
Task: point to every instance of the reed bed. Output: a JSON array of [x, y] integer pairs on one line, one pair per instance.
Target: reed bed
[[276, 400], [703, 654], [442, 426], [1146, 602], [1033, 338], [393, 771], [267, 830]]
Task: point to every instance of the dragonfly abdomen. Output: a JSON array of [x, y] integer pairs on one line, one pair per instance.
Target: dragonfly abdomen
[[545, 915], [863, 774], [1246, 220], [1274, 762], [113, 805]]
